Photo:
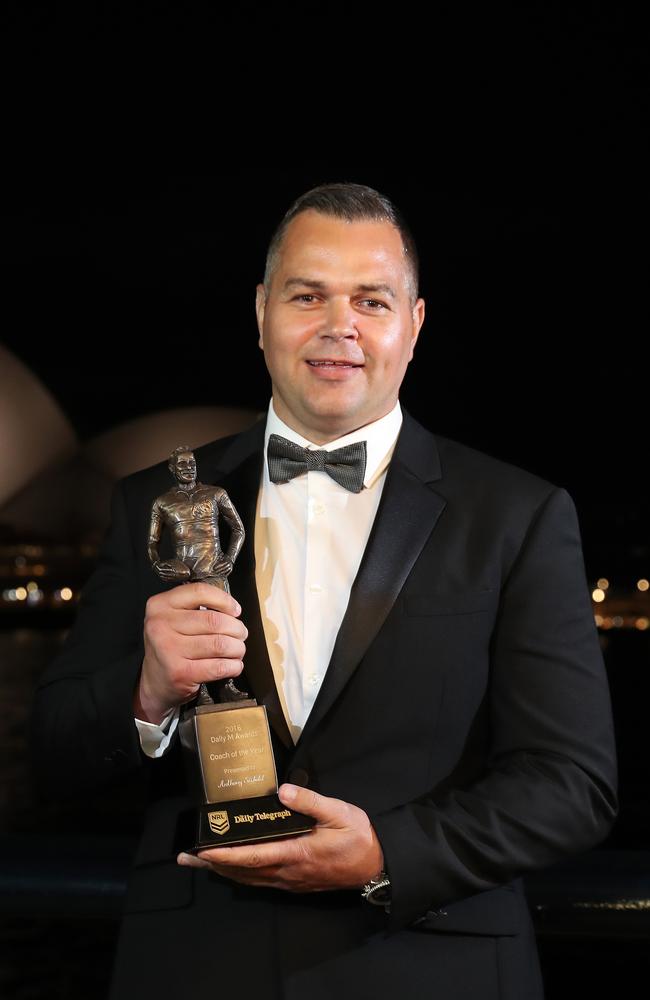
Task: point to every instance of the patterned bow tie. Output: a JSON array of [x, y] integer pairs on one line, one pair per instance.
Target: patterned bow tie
[[346, 466]]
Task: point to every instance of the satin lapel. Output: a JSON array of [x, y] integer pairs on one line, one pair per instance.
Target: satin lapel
[[241, 484], [408, 511]]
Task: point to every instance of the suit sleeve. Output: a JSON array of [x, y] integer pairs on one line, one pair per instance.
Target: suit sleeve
[[82, 723], [549, 786]]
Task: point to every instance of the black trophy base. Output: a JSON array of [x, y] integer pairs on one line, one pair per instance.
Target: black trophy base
[[242, 821]]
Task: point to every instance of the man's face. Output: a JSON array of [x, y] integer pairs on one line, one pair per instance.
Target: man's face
[[184, 467], [337, 328]]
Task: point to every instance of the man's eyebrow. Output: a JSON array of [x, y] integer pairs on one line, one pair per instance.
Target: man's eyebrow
[[381, 287], [310, 282], [315, 283]]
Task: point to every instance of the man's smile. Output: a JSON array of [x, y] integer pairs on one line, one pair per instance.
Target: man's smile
[[340, 364], [334, 370]]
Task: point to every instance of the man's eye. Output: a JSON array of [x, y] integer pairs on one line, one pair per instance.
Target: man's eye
[[304, 296], [373, 302]]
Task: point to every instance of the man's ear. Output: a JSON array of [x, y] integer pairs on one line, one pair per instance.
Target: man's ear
[[260, 306], [418, 320]]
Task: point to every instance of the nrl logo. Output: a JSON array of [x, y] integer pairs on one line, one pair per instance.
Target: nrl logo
[[219, 822]]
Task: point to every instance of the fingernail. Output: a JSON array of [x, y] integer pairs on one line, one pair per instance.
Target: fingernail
[[184, 859], [237, 608]]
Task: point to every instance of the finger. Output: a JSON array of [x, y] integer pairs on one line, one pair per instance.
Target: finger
[[209, 622], [269, 878], [202, 671], [205, 647], [251, 876], [191, 595], [327, 811], [189, 861], [258, 856]]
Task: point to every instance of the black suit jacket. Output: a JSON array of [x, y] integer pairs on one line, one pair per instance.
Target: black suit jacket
[[465, 708]]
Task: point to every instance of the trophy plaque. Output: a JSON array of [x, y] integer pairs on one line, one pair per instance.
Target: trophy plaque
[[227, 745]]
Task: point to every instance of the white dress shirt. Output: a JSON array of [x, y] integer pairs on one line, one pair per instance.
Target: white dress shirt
[[310, 536]]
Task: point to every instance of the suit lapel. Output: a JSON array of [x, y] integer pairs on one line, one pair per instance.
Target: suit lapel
[[408, 511], [239, 473]]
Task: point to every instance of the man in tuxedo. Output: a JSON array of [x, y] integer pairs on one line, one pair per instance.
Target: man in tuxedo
[[415, 617]]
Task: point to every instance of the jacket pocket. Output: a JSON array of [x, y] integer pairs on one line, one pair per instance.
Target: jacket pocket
[[497, 912]]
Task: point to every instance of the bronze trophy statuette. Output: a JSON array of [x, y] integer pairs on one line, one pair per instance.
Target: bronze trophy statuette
[[227, 745]]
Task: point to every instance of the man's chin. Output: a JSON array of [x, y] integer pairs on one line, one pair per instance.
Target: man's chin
[[324, 416], [326, 424]]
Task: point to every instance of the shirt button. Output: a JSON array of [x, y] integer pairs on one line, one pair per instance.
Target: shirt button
[[315, 588], [319, 508], [314, 679]]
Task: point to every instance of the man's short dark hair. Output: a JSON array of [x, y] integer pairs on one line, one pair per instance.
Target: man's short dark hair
[[353, 202]]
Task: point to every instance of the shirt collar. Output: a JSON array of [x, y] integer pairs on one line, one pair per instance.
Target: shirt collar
[[380, 437]]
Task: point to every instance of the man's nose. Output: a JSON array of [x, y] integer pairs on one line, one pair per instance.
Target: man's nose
[[340, 320]]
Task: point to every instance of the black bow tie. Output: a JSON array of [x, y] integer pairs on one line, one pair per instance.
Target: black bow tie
[[346, 466]]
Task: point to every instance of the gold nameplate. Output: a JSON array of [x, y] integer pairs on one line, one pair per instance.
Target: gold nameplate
[[236, 754]]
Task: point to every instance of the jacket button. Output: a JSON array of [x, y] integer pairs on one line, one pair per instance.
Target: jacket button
[[115, 757], [299, 777]]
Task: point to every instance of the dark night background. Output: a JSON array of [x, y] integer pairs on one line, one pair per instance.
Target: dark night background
[[534, 346], [520, 160]]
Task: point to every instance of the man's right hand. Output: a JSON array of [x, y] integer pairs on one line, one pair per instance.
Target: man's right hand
[[185, 646]]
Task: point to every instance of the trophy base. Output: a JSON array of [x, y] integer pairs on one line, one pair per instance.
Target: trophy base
[[240, 821]]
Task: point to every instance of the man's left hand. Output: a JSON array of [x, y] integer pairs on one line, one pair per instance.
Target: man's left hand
[[341, 852]]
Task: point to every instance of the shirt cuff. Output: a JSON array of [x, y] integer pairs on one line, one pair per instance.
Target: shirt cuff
[[155, 737]]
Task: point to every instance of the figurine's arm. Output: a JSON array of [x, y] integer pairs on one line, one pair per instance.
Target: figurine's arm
[[237, 533], [155, 532], [171, 570]]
